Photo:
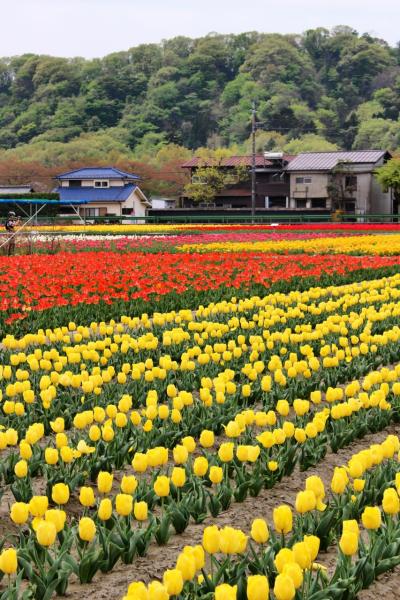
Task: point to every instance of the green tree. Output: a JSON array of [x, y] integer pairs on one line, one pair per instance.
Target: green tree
[[208, 181], [388, 177], [309, 143]]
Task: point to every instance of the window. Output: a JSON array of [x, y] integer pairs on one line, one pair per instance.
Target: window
[[303, 180], [128, 211], [198, 179], [101, 183], [350, 206], [92, 212], [318, 203], [75, 183], [301, 203], [278, 202], [351, 182]]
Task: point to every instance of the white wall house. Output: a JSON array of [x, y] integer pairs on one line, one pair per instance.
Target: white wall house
[[162, 203], [312, 175], [101, 191]]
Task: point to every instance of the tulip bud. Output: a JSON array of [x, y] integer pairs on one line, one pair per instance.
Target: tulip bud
[[173, 581], [178, 476], [104, 482], [257, 587], [8, 561], [140, 510], [284, 588], [211, 537], [348, 543], [86, 497], [60, 493], [123, 504], [128, 484], [46, 533], [283, 519], [87, 529], [224, 591], [56, 516], [216, 474], [371, 517], [259, 531], [162, 486], [19, 513]]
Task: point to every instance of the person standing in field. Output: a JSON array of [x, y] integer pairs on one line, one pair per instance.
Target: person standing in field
[[10, 224]]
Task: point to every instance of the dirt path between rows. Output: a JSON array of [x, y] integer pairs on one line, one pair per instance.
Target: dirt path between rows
[[113, 586]]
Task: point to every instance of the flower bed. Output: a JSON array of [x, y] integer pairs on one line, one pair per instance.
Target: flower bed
[[86, 280]]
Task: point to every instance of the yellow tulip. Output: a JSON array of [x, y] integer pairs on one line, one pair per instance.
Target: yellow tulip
[[129, 484], [38, 505], [140, 511], [302, 555], [86, 496], [87, 529], [283, 557], [21, 469], [189, 443], [173, 581], [105, 509], [225, 452], [57, 517], [123, 504], [390, 502], [200, 466], [283, 519], [371, 517], [293, 570], [305, 501], [207, 438], [216, 474], [284, 588], [139, 462], [138, 591], [259, 531], [46, 533], [8, 561], [211, 539], [161, 486], [187, 566], [348, 543], [60, 493], [19, 513], [104, 482], [257, 587], [180, 454], [224, 591], [312, 542]]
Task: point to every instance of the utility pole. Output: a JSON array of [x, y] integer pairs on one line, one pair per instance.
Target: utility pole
[[253, 161]]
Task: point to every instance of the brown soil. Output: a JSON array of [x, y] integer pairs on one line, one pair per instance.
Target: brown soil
[[113, 586]]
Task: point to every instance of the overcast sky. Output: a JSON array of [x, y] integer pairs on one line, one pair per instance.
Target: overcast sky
[[97, 27]]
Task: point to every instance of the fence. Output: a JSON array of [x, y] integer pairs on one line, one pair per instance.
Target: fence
[[217, 218]]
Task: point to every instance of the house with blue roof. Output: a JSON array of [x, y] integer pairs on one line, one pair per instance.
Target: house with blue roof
[[100, 192]]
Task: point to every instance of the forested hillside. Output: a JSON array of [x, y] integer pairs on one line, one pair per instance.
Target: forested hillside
[[319, 90]]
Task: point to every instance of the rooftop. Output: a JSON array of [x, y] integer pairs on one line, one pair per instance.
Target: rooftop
[[233, 161], [97, 173], [325, 161], [92, 194]]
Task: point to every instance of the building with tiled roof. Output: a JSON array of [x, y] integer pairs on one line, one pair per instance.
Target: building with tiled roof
[[339, 180], [311, 182], [100, 192], [272, 181]]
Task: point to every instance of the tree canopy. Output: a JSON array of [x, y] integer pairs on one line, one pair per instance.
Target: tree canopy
[[319, 90]]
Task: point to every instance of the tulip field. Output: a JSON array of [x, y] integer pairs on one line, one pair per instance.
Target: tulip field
[[208, 413]]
